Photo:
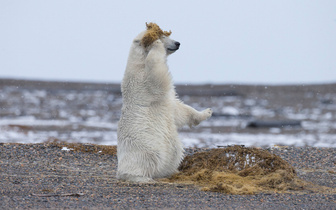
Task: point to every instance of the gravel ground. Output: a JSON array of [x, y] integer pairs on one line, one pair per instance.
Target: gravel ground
[[75, 179]]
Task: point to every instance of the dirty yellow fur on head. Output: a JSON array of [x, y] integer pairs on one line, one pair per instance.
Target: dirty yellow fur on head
[[154, 32]]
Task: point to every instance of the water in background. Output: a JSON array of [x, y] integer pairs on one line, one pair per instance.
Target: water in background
[[35, 111]]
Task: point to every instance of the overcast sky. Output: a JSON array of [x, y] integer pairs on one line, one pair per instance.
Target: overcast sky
[[224, 41]]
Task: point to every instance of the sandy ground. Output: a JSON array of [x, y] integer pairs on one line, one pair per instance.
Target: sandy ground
[[45, 176]]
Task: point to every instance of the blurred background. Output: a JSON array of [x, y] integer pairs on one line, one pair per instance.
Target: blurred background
[[266, 68]]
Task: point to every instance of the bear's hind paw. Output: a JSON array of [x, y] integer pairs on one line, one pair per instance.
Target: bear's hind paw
[[134, 178]]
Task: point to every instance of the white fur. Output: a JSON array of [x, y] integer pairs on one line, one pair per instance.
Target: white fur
[[148, 144]]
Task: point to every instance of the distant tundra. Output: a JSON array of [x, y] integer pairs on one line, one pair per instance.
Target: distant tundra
[[148, 143]]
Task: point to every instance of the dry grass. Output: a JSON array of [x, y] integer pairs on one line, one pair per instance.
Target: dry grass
[[154, 32], [332, 172], [240, 170]]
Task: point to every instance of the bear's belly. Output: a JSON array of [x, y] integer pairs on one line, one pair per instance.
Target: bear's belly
[[148, 122]]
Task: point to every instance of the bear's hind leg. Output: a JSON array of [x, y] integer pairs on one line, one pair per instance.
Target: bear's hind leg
[[138, 165], [134, 178]]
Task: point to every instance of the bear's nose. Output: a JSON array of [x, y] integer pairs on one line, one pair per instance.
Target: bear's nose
[[177, 44]]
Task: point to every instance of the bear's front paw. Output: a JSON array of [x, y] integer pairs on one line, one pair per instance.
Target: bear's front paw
[[203, 115], [158, 44], [207, 113]]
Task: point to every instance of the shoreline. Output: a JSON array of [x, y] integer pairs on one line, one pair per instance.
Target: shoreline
[[69, 84], [33, 111]]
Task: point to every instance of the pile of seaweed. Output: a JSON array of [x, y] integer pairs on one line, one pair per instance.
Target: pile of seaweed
[[238, 170]]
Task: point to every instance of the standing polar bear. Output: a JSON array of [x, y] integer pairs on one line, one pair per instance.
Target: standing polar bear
[[148, 143]]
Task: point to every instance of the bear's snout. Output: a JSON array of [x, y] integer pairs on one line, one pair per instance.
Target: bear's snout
[[177, 44], [174, 45]]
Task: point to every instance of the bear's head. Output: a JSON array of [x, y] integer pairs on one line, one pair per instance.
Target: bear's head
[[154, 33]]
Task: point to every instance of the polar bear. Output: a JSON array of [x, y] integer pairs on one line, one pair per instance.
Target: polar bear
[[148, 143]]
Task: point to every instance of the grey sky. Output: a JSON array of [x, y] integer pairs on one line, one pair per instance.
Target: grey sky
[[236, 41]]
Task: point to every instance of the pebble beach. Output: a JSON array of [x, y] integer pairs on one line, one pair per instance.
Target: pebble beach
[[47, 175]]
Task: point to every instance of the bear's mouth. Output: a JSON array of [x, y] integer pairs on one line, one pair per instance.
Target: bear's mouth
[[170, 49]]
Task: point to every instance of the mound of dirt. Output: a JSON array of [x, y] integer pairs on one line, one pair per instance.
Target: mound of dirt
[[239, 170]]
